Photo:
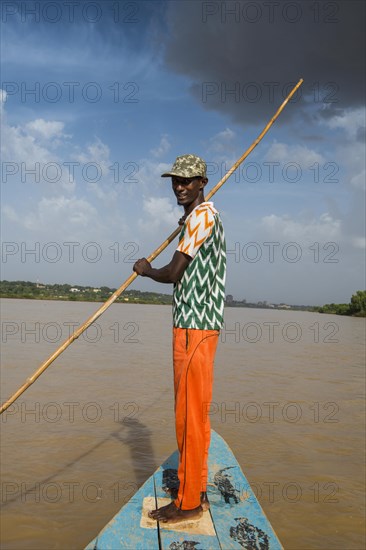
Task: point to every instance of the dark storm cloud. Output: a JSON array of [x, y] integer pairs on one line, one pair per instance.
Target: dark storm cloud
[[243, 55]]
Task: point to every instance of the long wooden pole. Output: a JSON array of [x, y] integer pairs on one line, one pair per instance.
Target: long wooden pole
[[152, 257]]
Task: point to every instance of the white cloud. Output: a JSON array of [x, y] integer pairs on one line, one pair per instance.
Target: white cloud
[[57, 214], [299, 154], [223, 147], [98, 153], [21, 147], [284, 228], [9, 212], [351, 120], [28, 158], [359, 180], [47, 129], [149, 178], [160, 213], [306, 230], [351, 155], [222, 141], [3, 96], [95, 163], [163, 147]]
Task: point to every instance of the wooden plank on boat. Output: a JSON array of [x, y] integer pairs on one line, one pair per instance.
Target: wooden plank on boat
[[235, 519]]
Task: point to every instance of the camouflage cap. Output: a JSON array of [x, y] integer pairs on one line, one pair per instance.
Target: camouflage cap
[[187, 166]]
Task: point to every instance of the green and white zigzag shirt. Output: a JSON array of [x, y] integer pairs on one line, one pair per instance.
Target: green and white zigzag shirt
[[198, 298]]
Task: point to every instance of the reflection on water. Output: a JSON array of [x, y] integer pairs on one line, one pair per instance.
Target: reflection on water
[[288, 399]]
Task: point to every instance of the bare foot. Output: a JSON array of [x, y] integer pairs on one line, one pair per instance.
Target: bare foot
[[170, 513], [205, 503]]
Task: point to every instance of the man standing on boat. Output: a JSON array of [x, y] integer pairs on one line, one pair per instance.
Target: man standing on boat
[[198, 270]]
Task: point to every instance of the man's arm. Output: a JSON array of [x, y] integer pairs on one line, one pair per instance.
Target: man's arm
[[170, 273]]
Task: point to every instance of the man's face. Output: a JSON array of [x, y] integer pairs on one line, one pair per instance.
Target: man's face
[[187, 190]]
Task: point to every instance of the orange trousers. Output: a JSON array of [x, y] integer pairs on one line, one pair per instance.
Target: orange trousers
[[193, 359]]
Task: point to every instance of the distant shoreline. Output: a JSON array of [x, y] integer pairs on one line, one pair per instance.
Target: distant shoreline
[[38, 291], [26, 290]]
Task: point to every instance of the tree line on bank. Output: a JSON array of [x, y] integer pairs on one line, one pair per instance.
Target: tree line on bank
[[356, 307], [77, 293]]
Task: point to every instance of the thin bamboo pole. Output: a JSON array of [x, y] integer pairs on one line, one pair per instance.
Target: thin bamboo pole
[[133, 276]]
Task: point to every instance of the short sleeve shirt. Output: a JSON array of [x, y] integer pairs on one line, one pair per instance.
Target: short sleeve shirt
[[199, 297]]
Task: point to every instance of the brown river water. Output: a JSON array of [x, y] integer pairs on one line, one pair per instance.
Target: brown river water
[[288, 399]]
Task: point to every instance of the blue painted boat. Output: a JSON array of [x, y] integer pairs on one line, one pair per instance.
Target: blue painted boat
[[235, 518]]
